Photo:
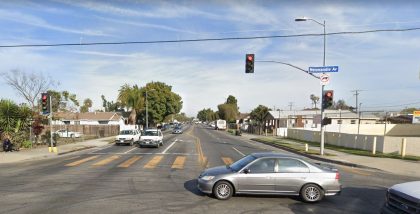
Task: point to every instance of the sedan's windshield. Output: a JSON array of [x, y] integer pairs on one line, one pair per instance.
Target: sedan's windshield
[[238, 165], [126, 132], [150, 133]]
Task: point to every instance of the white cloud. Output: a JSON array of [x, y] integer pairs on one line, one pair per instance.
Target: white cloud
[[31, 20]]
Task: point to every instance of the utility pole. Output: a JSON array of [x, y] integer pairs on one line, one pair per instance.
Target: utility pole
[[356, 93], [290, 106]]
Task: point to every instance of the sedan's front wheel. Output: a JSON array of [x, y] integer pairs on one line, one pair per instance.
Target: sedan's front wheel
[[222, 190], [311, 193]]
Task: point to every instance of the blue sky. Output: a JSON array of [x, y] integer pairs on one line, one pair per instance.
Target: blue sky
[[386, 66]]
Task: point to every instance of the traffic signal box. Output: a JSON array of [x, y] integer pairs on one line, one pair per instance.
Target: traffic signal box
[[45, 103], [327, 99], [249, 63]]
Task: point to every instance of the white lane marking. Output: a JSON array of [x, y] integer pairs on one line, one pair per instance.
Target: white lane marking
[[164, 151], [238, 151], [130, 150]]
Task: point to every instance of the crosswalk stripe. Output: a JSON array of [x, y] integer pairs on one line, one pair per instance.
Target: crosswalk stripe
[[129, 162], [106, 160], [227, 161], [154, 162], [179, 162], [76, 163]]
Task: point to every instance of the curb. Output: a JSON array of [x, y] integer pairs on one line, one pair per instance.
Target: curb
[[313, 156], [77, 150]]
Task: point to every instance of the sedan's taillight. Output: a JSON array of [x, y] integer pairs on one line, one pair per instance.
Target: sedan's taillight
[[337, 176]]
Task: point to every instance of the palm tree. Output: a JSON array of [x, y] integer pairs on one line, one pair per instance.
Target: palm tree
[[13, 118], [314, 99], [131, 98]]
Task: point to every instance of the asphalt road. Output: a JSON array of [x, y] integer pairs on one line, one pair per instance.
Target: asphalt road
[[125, 179]]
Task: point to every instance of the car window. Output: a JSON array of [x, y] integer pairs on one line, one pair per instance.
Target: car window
[[238, 165], [150, 133], [291, 165], [265, 165], [126, 132]]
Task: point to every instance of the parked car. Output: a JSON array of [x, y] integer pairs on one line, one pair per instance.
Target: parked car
[[64, 133], [129, 137], [177, 130], [220, 124], [270, 173], [403, 198], [151, 137]]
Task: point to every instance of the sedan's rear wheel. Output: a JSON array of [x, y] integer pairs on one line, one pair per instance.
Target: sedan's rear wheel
[[222, 190], [311, 193]]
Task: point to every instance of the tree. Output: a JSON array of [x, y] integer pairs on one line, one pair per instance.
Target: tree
[[341, 104], [29, 86], [232, 100], [111, 106], [131, 97], [228, 112], [14, 120], [161, 102], [314, 100], [409, 110], [87, 103], [63, 101], [207, 115], [258, 115]]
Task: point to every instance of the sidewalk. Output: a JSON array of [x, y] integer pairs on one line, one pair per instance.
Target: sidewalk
[[396, 166], [42, 153]]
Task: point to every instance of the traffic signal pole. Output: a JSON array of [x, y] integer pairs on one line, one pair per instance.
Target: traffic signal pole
[[322, 101], [50, 121]]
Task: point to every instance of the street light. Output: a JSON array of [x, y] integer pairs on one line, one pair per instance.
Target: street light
[[147, 111], [322, 87]]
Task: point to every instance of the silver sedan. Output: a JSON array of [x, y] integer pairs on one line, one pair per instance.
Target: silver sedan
[[270, 173]]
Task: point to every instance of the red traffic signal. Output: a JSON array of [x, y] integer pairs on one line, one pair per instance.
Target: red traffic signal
[[327, 99], [45, 103], [249, 63]]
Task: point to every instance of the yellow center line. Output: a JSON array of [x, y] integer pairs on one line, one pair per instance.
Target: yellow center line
[[198, 147], [129, 162], [154, 162], [227, 161], [179, 162], [106, 161], [76, 163]]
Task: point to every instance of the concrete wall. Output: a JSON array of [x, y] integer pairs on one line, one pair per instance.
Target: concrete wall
[[387, 144], [408, 130]]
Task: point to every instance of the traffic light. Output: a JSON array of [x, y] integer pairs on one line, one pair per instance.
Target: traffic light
[[45, 103], [249, 63], [327, 99]]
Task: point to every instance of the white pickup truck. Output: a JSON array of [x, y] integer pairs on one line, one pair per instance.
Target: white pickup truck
[[64, 133], [151, 137], [128, 137]]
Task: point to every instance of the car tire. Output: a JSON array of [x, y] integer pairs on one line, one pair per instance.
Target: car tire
[[311, 193], [223, 190]]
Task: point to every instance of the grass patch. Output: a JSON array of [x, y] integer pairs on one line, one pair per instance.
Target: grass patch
[[347, 150]]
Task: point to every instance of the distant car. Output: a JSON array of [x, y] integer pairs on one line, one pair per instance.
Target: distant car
[[64, 134], [151, 137], [129, 137], [403, 198], [270, 173], [177, 130]]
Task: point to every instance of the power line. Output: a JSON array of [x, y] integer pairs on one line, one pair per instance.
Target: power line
[[389, 106], [209, 39]]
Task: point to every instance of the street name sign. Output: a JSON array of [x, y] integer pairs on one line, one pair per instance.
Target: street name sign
[[324, 69]]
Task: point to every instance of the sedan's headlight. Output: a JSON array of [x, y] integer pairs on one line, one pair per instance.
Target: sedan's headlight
[[207, 177]]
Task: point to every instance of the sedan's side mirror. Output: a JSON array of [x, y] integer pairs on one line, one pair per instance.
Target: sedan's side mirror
[[246, 171]]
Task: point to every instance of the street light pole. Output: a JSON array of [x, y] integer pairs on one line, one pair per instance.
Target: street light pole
[[322, 87]]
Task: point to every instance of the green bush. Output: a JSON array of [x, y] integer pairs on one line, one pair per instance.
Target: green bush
[[27, 144]]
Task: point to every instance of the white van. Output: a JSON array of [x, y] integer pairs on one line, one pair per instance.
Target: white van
[[221, 124]]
